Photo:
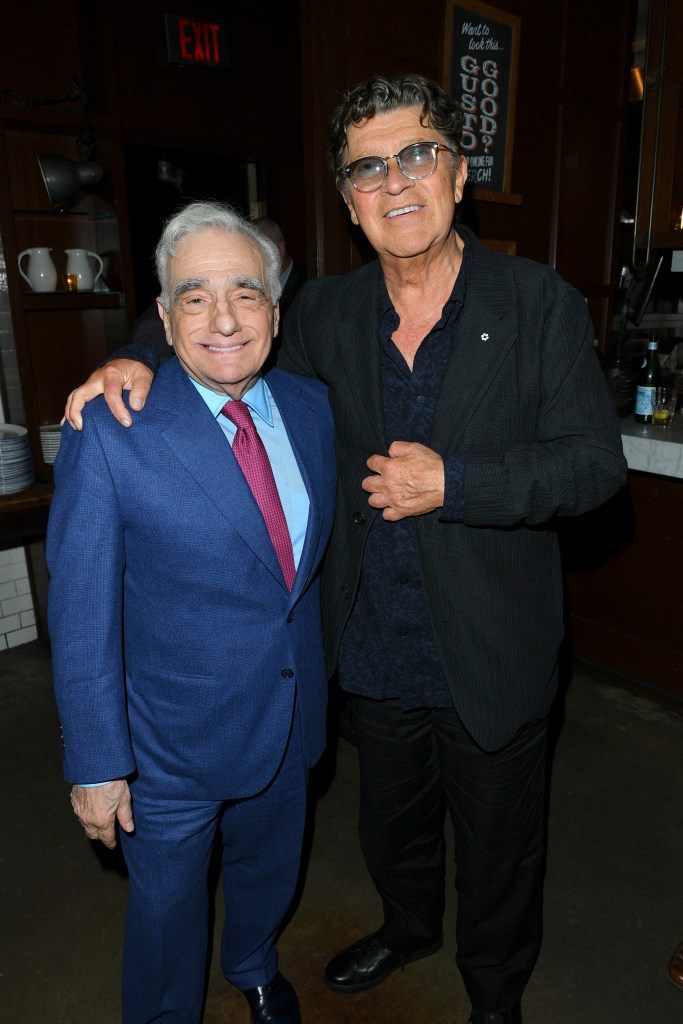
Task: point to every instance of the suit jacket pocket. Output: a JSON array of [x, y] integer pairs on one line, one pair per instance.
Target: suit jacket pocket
[[171, 688]]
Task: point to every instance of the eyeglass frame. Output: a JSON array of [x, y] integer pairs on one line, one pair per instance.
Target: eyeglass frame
[[429, 144]]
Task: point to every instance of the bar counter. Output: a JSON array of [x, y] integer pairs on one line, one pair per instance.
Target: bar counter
[[652, 449], [624, 571]]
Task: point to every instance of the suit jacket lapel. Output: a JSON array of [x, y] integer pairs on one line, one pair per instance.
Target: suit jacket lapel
[[358, 340], [483, 335], [198, 442]]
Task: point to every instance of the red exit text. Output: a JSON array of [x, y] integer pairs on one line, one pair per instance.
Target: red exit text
[[192, 41]]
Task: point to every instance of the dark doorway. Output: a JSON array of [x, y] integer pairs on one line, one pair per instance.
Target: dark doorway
[[159, 181]]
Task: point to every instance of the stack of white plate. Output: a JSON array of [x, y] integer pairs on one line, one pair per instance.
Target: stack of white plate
[[16, 461], [50, 437]]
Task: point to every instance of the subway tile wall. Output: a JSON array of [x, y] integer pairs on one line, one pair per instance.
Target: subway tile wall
[[17, 618], [14, 413]]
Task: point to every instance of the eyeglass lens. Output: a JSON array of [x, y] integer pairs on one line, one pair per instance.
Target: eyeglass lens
[[416, 161]]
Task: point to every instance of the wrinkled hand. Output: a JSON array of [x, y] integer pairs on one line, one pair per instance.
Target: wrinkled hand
[[410, 482], [111, 380], [98, 808]]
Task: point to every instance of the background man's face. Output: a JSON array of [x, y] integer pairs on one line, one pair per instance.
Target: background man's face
[[220, 321], [403, 218]]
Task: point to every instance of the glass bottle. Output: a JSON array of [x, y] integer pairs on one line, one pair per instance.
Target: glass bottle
[[649, 378]]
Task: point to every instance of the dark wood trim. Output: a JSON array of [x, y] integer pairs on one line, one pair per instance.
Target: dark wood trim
[[23, 516]]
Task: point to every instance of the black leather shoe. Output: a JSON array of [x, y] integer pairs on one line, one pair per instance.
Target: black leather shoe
[[513, 1016], [274, 1003], [368, 962]]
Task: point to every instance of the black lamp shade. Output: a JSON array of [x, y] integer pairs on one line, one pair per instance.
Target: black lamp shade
[[65, 178]]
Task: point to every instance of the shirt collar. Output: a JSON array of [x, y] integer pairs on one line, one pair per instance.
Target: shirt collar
[[256, 398], [390, 317], [285, 277]]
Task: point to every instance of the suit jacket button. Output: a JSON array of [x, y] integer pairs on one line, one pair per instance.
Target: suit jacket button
[[290, 618], [359, 518], [345, 592], [287, 673]]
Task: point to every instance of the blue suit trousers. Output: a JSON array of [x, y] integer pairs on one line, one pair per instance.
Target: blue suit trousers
[[167, 917]]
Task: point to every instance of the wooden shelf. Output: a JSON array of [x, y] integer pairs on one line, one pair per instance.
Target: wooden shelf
[[63, 215], [667, 239], [39, 302], [58, 336], [23, 116], [23, 516]]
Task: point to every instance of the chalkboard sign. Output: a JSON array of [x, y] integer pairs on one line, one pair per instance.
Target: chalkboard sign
[[480, 70]]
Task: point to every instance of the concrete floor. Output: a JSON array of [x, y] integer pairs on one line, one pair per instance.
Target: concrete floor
[[613, 907]]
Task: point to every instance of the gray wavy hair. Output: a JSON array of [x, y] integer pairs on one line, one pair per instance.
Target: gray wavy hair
[[382, 95], [197, 217]]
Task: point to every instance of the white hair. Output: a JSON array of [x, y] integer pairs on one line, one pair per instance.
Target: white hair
[[199, 216]]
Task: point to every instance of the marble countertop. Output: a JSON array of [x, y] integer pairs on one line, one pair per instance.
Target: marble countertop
[[652, 449]]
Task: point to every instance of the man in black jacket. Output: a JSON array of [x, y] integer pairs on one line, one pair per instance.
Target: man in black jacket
[[470, 412]]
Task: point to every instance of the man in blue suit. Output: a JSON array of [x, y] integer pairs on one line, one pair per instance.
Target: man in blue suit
[[187, 651]]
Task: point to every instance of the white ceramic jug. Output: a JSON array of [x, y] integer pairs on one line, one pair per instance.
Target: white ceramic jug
[[78, 263], [41, 272]]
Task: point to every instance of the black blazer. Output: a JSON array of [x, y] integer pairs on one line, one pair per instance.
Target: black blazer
[[523, 395], [296, 278]]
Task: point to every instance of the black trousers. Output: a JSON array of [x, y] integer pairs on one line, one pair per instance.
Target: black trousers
[[415, 764]]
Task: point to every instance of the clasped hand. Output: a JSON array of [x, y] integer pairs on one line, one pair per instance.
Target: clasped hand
[[410, 482]]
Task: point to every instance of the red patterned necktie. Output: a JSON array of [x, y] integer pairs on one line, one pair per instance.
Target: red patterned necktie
[[254, 462]]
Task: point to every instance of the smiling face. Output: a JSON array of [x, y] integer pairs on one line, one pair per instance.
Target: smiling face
[[404, 218], [221, 321]]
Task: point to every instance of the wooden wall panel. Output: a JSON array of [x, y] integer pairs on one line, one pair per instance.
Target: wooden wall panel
[[597, 43], [533, 177], [39, 48], [622, 592], [585, 210], [63, 349]]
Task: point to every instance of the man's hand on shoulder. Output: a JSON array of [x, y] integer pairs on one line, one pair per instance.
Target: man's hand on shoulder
[[111, 380]]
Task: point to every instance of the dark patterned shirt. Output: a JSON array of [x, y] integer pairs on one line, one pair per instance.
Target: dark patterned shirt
[[388, 647]]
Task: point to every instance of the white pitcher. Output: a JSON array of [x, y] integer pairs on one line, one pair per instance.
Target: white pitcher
[[42, 273], [78, 263]]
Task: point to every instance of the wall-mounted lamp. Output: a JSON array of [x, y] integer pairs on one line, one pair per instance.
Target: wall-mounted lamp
[[65, 179], [75, 93]]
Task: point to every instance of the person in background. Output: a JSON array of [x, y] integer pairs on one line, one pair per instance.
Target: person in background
[[184, 616], [470, 413], [291, 276]]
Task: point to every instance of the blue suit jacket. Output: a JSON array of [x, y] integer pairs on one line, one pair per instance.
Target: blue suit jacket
[[177, 649]]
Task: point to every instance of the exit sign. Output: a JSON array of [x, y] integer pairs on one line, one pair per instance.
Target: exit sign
[[193, 41]]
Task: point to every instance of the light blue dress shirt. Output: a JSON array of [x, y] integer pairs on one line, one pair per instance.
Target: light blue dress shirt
[[271, 430], [288, 480]]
